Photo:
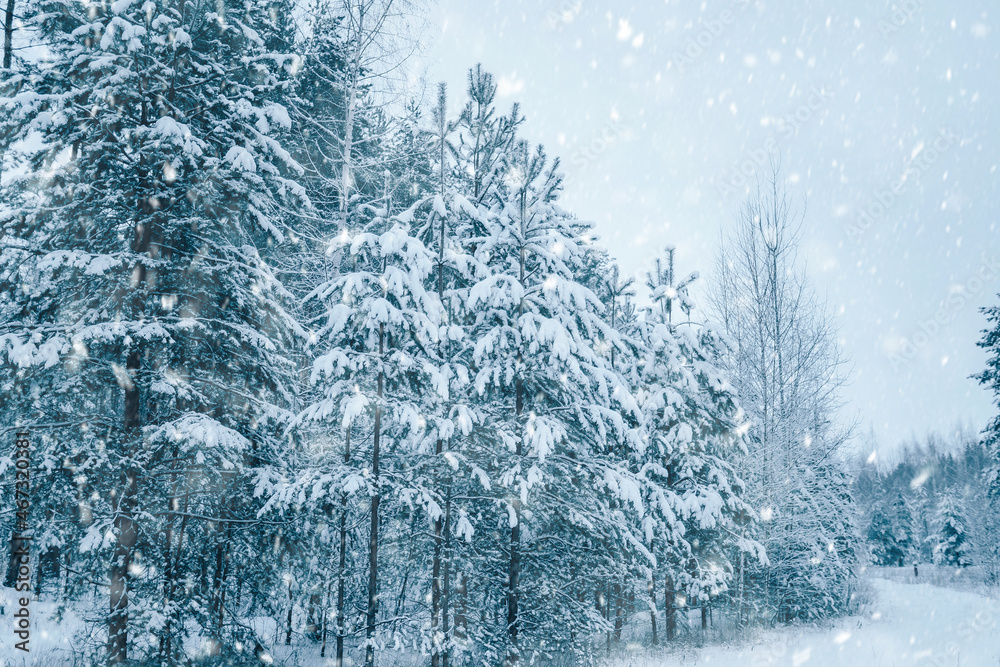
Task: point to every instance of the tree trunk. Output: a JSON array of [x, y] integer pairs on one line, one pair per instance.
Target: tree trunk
[[670, 610], [168, 541], [170, 573], [438, 613], [66, 587], [436, 586], [323, 622], [373, 541], [124, 503], [513, 575], [225, 575], [619, 610], [740, 591], [652, 603], [446, 593], [288, 619], [607, 618], [218, 584], [401, 598], [8, 34], [312, 623], [120, 575], [347, 177], [514, 566], [40, 575], [462, 612], [342, 567]]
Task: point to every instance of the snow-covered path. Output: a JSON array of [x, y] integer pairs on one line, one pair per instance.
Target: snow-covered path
[[909, 625], [912, 624]]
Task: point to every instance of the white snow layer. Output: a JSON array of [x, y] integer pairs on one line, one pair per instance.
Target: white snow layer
[[908, 624]]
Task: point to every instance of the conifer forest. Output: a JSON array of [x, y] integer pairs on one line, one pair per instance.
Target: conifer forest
[[309, 359]]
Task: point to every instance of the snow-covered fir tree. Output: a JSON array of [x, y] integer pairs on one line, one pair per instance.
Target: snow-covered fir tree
[[138, 291], [557, 408], [693, 428], [904, 502], [885, 551], [952, 547], [376, 365], [902, 520], [990, 377]]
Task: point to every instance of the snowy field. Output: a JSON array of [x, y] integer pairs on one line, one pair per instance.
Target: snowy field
[[909, 624], [916, 624]]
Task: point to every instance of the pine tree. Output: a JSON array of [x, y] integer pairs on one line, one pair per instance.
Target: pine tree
[[953, 548], [990, 377], [485, 138], [692, 422], [376, 344], [554, 404], [447, 218], [882, 540], [138, 287], [902, 520]]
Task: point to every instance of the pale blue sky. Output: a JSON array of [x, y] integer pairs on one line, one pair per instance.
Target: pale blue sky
[[654, 107]]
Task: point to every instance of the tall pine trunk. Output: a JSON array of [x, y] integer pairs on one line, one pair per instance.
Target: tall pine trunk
[[219, 582], [8, 34], [652, 603], [670, 609], [124, 502], [373, 534], [436, 585], [619, 609], [462, 609], [288, 617], [438, 614], [170, 574], [347, 175], [342, 566], [513, 576], [446, 593], [124, 523], [514, 566]]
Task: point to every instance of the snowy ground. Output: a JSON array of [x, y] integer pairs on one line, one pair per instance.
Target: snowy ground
[[54, 638], [918, 624], [908, 624]]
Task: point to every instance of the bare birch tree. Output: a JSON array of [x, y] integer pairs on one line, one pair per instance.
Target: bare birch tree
[[788, 370]]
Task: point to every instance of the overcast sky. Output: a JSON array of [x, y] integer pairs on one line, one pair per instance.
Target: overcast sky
[[655, 108]]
